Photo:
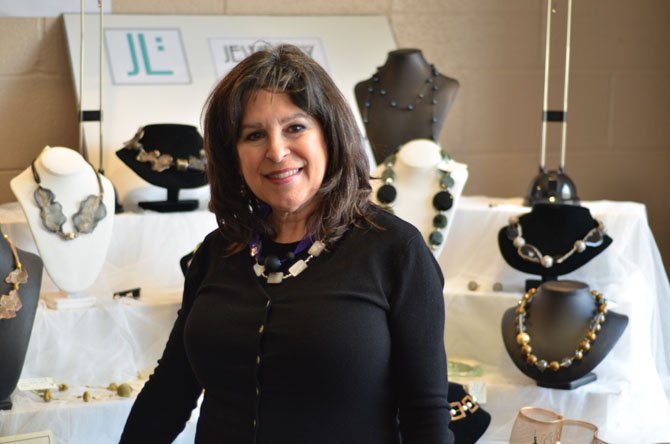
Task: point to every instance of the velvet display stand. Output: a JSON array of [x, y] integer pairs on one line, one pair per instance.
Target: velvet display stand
[[469, 429], [561, 310], [553, 229], [407, 79], [556, 320], [15, 332], [180, 141]]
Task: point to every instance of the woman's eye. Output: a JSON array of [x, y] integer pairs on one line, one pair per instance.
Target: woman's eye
[[296, 128], [253, 136]]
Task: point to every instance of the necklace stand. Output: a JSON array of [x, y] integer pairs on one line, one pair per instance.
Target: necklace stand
[[404, 78], [72, 265], [554, 186], [553, 229], [15, 332], [416, 183], [179, 141], [557, 320]]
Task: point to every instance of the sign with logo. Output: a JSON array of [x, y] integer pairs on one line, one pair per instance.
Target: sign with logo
[[146, 56], [229, 51]]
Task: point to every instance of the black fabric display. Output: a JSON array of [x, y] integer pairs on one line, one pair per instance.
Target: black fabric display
[[339, 354], [180, 141], [15, 332], [469, 429], [553, 228], [403, 77], [557, 321]]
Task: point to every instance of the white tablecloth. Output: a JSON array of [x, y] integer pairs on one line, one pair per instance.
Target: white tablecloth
[[629, 401], [115, 340]]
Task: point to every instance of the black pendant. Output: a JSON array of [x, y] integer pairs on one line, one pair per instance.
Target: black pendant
[[272, 263], [443, 201], [386, 194]]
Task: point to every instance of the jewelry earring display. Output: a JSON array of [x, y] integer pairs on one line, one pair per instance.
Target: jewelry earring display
[[530, 253], [161, 162], [523, 338], [91, 210], [10, 303], [442, 201]]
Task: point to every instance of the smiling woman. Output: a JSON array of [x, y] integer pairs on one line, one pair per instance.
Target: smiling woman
[[282, 155], [299, 318]]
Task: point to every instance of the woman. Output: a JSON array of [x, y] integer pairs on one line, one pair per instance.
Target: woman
[[310, 316]]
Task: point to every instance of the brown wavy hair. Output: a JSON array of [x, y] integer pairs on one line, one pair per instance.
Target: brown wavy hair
[[344, 193]]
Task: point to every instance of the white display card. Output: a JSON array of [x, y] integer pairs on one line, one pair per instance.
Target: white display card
[[229, 51], [45, 437]]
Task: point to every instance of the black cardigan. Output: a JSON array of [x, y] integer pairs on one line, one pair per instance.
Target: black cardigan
[[350, 351]]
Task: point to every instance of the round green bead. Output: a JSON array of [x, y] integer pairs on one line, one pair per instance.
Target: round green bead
[[435, 238], [388, 174], [440, 221], [446, 181]]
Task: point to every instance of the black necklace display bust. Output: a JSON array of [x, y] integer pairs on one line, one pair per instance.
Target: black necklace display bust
[[553, 229], [561, 314], [15, 332], [405, 99], [169, 156]]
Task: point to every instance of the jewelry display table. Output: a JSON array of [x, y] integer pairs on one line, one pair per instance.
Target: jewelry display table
[[116, 339], [629, 401]]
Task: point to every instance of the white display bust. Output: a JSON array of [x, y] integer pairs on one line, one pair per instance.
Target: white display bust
[[416, 181], [73, 265]]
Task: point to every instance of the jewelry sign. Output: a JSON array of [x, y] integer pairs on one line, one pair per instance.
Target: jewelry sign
[[228, 52], [146, 56]]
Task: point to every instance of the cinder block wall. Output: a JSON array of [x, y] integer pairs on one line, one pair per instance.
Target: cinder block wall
[[619, 103]]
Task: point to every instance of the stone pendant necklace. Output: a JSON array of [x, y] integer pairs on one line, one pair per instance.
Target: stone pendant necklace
[[91, 210], [10, 303], [442, 201]]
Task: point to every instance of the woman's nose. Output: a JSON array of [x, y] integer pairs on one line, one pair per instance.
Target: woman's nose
[[278, 148]]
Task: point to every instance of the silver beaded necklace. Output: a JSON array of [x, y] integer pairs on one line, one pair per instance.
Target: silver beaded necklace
[[531, 253]]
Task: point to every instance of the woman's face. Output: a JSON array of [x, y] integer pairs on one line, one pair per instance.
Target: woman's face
[[282, 153]]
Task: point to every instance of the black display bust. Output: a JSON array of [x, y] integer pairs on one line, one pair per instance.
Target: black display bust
[[180, 141], [557, 320], [15, 332], [403, 78], [553, 229]]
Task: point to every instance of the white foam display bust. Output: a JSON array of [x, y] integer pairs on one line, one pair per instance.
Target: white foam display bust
[[417, 182], [73, 265]]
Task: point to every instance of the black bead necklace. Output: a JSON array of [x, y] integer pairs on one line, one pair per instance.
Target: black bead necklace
[[442, 201], [269, 267], [428, 87]]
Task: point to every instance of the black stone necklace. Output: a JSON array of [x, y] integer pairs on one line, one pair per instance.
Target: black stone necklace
[[442, 201], [428, 87]]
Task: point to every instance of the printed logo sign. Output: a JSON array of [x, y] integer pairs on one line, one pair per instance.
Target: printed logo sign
[[146, 56], [229, 51]]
